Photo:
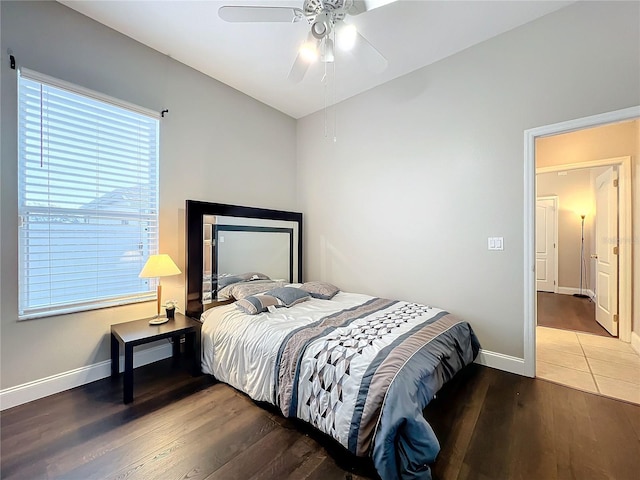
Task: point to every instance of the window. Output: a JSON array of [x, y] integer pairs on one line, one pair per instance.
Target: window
[[88, 198]]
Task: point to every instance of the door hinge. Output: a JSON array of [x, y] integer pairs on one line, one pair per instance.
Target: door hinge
[[615, 250], [615, 318], [615, 182], [554, 282]]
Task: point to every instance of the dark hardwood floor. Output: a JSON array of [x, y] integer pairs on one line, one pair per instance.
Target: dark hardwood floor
[[491, 425], [567, 312]]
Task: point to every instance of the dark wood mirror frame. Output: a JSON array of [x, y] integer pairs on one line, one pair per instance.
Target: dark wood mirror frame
[[195, 213]]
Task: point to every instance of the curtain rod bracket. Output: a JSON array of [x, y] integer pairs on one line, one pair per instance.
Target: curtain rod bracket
[[163, 112]]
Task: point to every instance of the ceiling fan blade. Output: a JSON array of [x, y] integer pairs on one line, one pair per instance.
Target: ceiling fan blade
[[259, 14], [298, 69], [361, 6], [369, 55], [358, 7]]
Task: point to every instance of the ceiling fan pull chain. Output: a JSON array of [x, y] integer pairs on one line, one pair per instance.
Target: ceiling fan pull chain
[[335, 106], [325, 93]]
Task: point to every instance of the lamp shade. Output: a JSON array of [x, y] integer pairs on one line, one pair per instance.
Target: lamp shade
[[159, 265]]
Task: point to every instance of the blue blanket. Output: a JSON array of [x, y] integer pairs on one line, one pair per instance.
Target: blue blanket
[[365, 374]]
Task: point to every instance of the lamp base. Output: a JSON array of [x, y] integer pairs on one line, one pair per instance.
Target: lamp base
[[581, 295], [158, 321]]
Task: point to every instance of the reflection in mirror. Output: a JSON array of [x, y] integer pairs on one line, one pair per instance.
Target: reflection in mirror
[[224, 240], [238, 245]]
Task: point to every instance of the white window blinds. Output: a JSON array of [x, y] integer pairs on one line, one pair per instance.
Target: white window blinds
[[88, 198]]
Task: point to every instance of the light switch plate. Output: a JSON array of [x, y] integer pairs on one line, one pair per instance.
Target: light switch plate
[[495, 243]]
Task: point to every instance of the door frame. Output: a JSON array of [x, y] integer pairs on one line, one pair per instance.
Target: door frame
[[530, 136], [556, 206]]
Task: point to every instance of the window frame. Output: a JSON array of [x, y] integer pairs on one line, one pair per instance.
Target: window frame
[[26, 312]]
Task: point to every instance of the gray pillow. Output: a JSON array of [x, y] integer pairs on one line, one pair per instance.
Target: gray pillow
[[225, 279], [322, 290], [289, 295], [242, 290], [255, 304]]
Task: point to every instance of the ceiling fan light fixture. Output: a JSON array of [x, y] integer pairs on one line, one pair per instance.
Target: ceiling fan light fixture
[[325, 17], [309, 51], [346, 35], [327, 51]]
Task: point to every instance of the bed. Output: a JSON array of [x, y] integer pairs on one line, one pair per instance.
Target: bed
[[358, 368]]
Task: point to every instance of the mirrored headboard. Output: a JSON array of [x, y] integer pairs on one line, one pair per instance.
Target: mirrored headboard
[[227, 240]]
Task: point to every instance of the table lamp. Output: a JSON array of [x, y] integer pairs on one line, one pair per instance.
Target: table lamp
[[159, 265]]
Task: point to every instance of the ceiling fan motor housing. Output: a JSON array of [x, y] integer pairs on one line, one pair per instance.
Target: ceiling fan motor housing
[[321, 27], [323, 14]]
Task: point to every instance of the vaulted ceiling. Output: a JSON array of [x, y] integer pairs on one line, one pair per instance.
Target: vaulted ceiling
[[256, 58]]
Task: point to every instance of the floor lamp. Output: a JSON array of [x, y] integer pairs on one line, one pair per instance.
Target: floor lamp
[[159, 265], [581, 295]]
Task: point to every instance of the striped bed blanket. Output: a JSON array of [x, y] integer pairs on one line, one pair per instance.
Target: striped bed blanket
[[363, 375]]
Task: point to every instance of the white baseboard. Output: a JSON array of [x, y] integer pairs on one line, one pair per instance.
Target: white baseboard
[[501, 361], [573, 291], [27, 392], [635, 342]]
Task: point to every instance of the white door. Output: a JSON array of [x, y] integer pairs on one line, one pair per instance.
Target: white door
[[546, 211], [607, 258]]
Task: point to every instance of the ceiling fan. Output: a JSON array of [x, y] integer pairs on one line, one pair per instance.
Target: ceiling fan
[[328, 28]]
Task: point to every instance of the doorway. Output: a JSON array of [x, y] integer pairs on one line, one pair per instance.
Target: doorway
[[576, 240], [576, 342], [580, 344], [530, 137], [579, 185]]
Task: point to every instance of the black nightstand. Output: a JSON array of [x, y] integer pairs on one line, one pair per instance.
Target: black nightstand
[[139, 332]]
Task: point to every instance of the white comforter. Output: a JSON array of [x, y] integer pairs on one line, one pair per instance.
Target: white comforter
[[241, 349]]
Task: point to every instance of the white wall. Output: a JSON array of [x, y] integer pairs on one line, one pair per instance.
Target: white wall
[[427, 166], [217, 144]]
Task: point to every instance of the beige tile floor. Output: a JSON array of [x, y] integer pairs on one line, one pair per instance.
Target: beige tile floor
[[588, 362]]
